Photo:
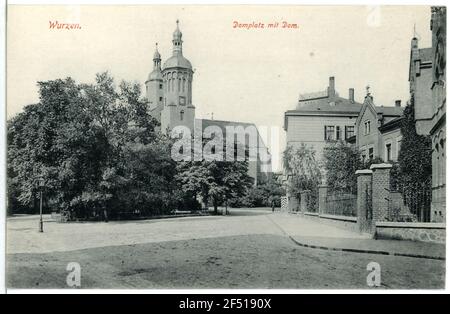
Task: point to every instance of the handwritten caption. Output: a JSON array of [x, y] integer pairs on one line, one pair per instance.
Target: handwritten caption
[[260, 25], [68, 26]]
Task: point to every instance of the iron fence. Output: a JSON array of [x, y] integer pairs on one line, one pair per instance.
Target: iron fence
[[410, 203], [341, 203]]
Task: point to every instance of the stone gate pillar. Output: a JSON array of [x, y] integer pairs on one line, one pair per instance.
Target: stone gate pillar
[[304, 201], [364, 185], [380, 190], [323, 190]]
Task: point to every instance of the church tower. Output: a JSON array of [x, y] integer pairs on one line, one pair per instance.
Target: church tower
[[177, 76], [154, 88]]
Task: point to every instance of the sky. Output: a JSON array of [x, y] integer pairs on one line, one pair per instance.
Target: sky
[[249, 75]]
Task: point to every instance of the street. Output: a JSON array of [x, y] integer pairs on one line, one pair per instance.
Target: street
[[250, 248]]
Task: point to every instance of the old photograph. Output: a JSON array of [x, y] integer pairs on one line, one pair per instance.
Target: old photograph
[[225, 147]]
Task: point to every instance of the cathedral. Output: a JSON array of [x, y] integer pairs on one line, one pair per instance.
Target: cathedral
[[168, 90]]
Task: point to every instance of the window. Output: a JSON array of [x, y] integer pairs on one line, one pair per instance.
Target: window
[[181, 115], [388, 152], [371, 153], [160, 86], [349, 131], [160, 98], [338, 133], [399, 145], [363, 158], [182, 100], [366, 127], [329, 133]]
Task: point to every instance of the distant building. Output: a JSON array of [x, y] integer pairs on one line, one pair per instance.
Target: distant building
[[168, 90], [427, 86], [320, 118], [378, 130]]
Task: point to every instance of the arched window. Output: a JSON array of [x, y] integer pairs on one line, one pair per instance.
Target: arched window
[[442, 161], [437, 166], [179, 84], [184, 84], [181, 115]]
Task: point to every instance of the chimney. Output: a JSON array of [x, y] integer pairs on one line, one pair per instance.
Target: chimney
[[398, 103], [351, 95], [331, 90]]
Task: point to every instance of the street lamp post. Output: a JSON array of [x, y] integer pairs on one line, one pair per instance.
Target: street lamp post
[[41, 183]]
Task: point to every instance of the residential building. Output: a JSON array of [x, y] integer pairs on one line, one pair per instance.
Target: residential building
[[320, 118], [378, 130]]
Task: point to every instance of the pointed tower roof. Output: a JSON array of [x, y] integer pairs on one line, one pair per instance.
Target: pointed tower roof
[[156, 55], [156, 74], [177, 60]]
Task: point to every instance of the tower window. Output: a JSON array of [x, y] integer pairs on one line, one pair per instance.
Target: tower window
[[182, 100], [181, 115], [366, 127], [160, 86], [160, 98]]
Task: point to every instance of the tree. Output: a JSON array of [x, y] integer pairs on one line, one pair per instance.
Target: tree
[[415, 166], [96, 147], [302, 168], [218, 180], [341, 162]]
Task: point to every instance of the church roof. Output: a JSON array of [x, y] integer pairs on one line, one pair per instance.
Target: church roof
[[155, 75], [177, 61], [223, 124]]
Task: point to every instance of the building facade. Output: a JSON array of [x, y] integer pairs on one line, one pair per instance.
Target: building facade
[[378, 130], [168, 90], [320, 118], [438, 105], [427, 77]]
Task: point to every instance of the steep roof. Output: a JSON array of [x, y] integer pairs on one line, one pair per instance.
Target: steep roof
[[223, 124], [390, 111]]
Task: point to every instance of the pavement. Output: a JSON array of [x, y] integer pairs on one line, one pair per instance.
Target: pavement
[[22, 235], [308, 233]]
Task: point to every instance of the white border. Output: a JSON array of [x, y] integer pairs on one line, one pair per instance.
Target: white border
[[167, 291]]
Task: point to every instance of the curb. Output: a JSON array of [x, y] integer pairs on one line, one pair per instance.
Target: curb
[[365, 251]]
